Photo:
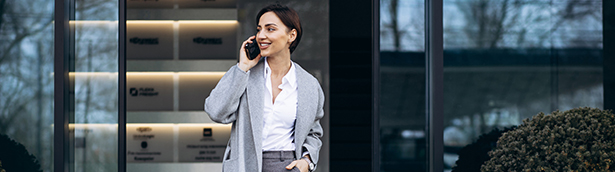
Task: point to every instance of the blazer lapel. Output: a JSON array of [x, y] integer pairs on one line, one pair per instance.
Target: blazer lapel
[[302, 124], [255, 104]]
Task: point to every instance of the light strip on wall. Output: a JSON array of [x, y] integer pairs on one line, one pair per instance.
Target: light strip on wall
[[209, 21], [181, 21], [143, 73], [93, 21], [203, 124], [148, 124], [175, 73], [201, 73], [150, 73], [153, 21], [92, 73], [92, 125]]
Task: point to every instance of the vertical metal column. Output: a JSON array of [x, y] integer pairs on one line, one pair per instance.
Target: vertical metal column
[[434, 85], [375, 85], [121, 156], [61, 86], [608, 69]]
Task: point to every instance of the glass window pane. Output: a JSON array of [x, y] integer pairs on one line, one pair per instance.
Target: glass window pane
[[26, 83], [94, 85], [402, 86], [507, 60]]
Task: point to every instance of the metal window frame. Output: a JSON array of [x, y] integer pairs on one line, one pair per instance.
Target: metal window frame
[[434, 47], [122, 87], [608, 25], [375, 85], [61, 86]]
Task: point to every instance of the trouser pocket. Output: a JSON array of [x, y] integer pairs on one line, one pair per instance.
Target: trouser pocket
[[277, 165]]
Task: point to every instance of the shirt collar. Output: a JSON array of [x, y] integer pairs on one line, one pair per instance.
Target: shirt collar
[[290, 77]]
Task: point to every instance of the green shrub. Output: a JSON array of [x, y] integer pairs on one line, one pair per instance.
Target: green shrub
[[1, 170], [581, 139], [472, 156], [15, 157]]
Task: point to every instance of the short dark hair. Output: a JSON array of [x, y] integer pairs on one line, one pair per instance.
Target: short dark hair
[[289, 17]]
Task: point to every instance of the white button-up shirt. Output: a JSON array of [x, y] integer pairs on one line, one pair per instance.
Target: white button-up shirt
[[279, 117]]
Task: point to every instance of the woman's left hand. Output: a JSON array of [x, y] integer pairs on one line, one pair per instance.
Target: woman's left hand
[[301, 164]]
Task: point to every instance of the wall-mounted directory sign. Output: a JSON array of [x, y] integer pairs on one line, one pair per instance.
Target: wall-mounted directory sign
[[207, 3], [149, 143], [202, 142], [131, 4], [194, 88], [149, 40], [149, 91], [208, 40]]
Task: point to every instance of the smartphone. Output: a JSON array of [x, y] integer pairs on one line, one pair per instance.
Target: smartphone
[[252, 49]]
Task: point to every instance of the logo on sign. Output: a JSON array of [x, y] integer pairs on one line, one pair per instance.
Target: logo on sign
[[201, 40], [207, 132], [144, 129], [134, 92], [146, 41], [143, 92], [143, 144], [143, 136]]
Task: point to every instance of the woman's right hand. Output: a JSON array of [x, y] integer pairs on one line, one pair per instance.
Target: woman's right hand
[[246, 64]]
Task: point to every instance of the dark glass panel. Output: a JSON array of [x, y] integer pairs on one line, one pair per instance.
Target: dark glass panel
[[507, 60]]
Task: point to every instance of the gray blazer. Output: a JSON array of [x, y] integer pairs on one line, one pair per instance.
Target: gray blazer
[[238, 99]]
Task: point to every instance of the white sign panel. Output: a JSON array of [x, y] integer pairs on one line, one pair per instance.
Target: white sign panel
[[194, 88], [202, 142], [149, 91], [149, 143], [149, 40], [208, 40]]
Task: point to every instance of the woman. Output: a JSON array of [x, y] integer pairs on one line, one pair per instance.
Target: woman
[[274, 104]]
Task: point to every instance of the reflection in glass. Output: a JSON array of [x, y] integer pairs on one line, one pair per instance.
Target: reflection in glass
[[26, 77], [402, 86], [507, 60], [94, 86]]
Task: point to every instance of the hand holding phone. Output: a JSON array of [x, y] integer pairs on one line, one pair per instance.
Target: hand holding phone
[[252, 50]]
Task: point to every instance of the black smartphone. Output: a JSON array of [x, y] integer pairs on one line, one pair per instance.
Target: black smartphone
[[252, 49]]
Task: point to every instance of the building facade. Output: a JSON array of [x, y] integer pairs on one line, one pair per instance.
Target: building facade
[[117, 85]]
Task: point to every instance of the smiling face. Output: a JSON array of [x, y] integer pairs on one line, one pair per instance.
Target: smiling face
[[273, 36]]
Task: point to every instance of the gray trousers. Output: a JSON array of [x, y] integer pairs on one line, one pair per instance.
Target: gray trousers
[[276, 161]]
